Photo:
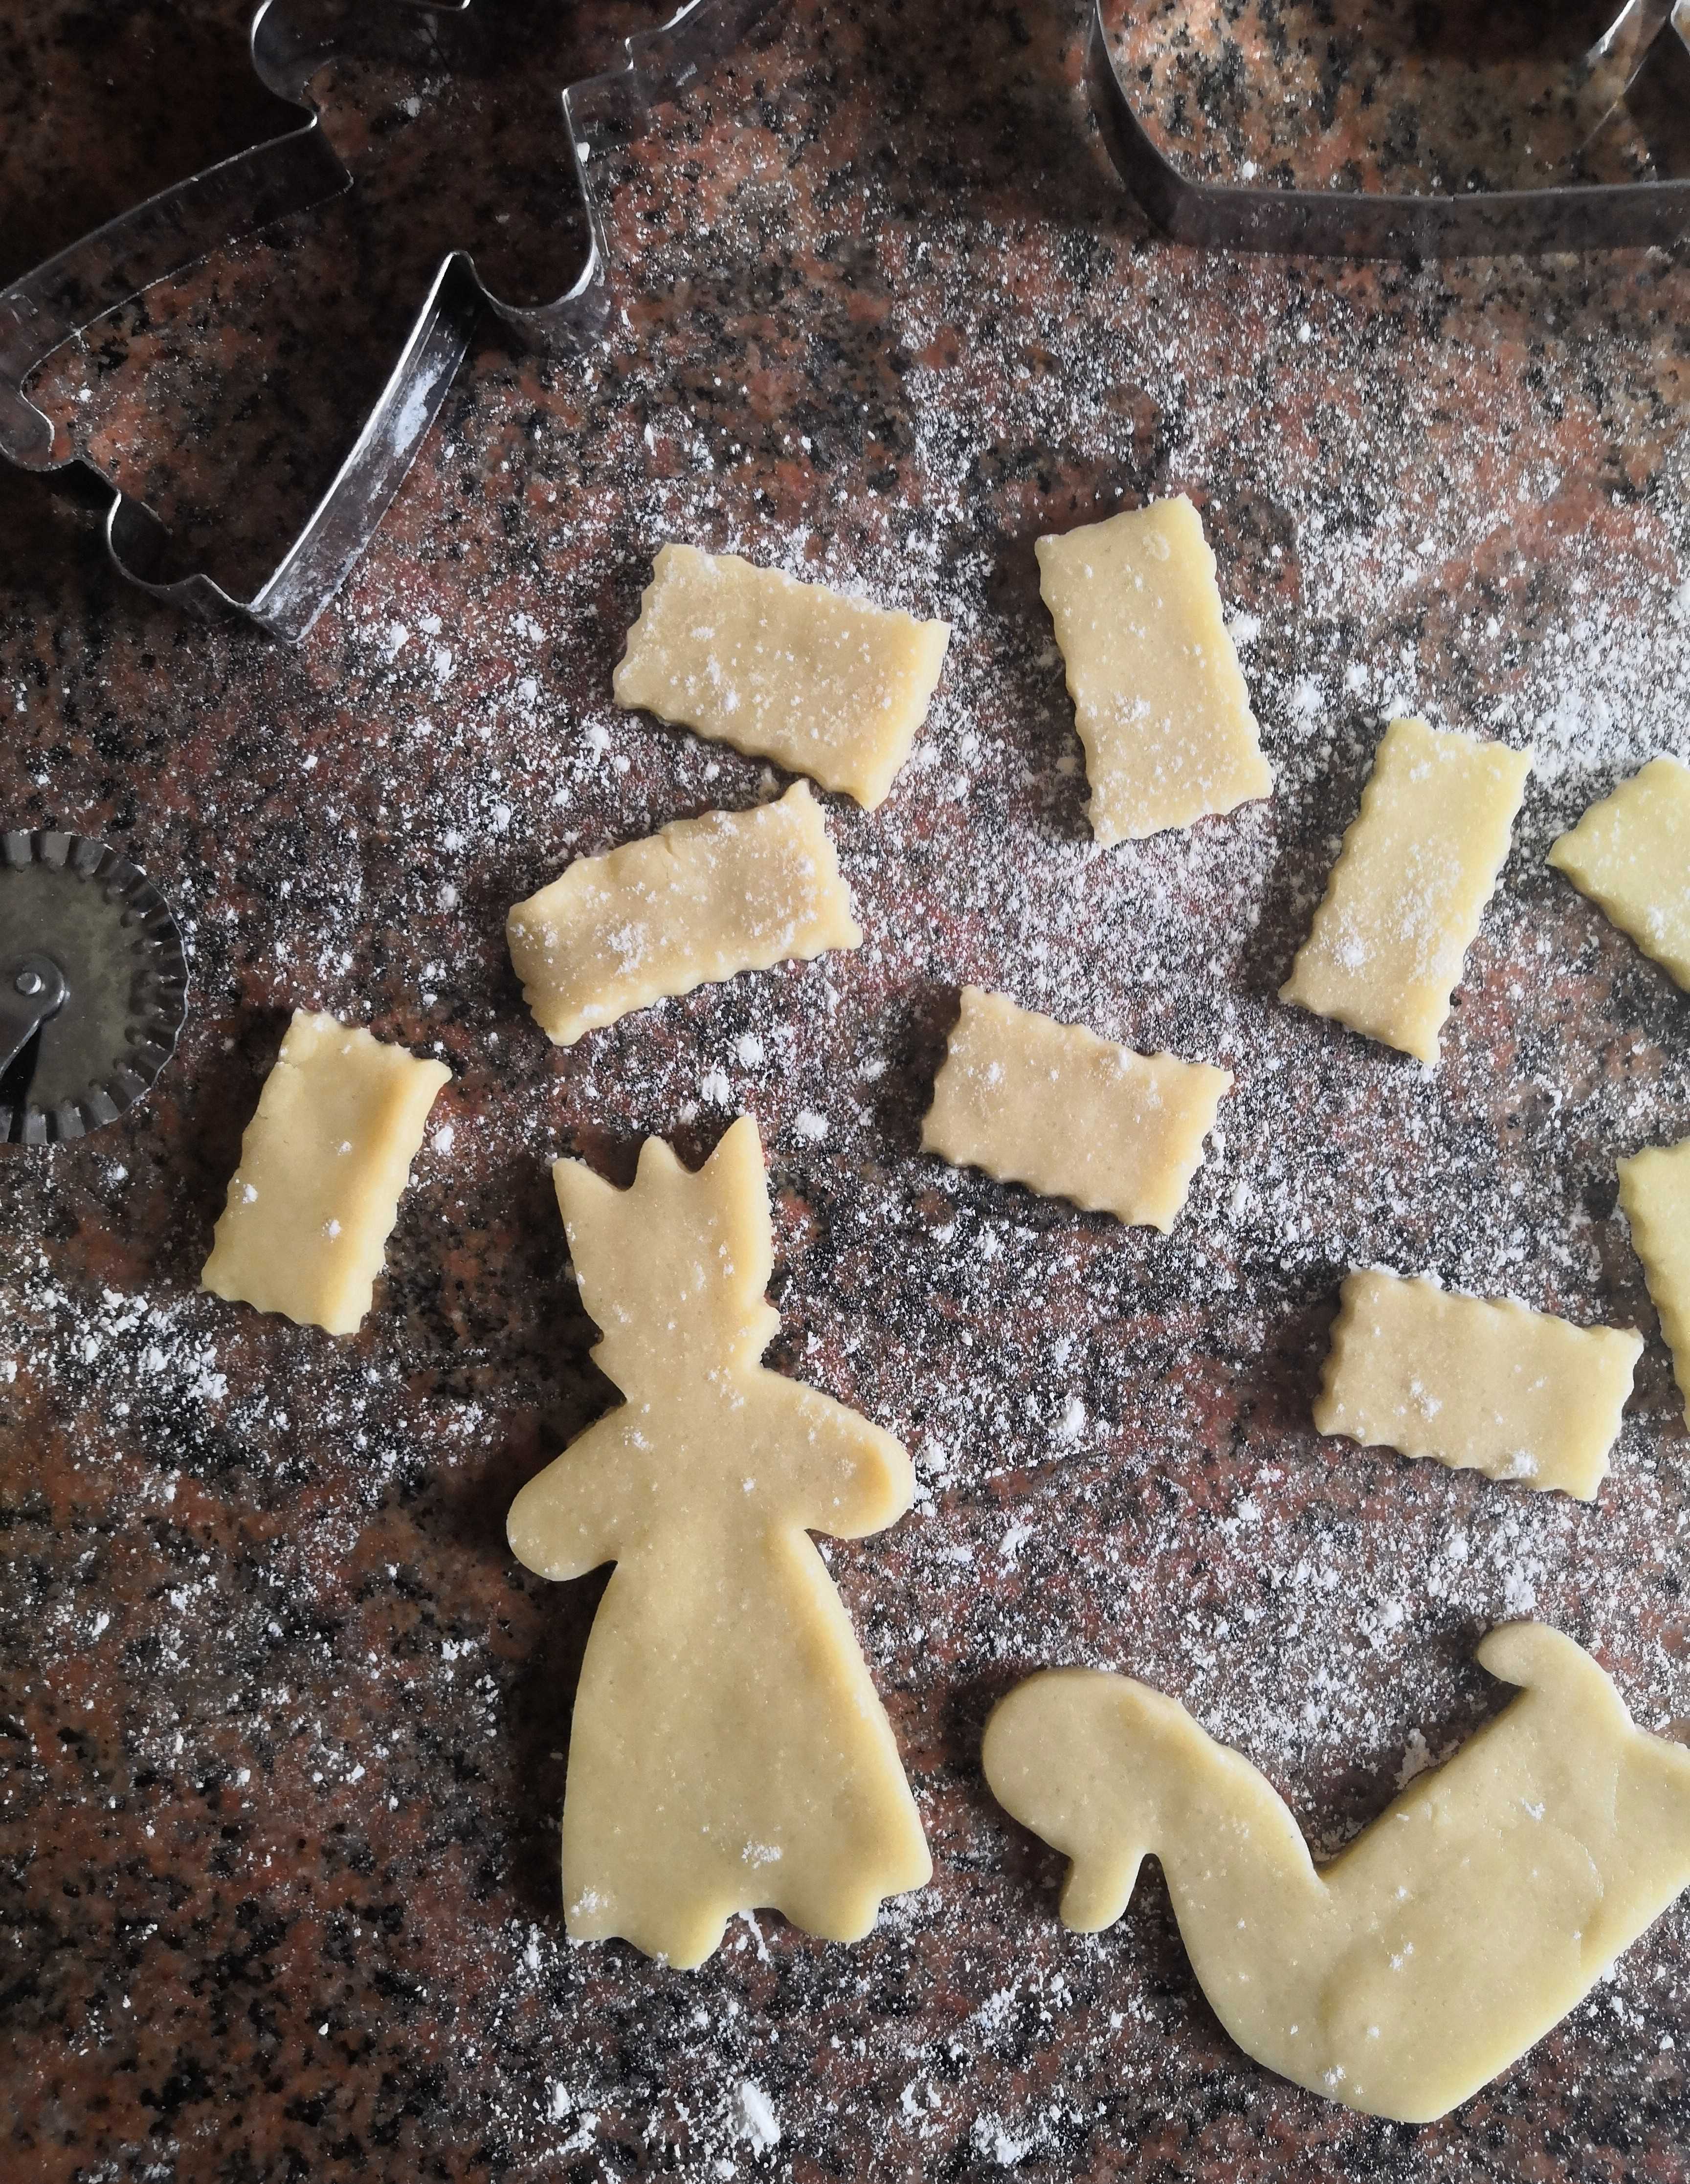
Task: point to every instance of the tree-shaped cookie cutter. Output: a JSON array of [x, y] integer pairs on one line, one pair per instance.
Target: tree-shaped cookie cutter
[[267, 182], [1643, 34]]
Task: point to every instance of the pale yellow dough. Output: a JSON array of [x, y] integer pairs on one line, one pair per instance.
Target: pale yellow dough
[[1631, 855], [1654, 1189], [829, 685], [700, 901], [1480, 1907], [1159, 698], [1481, 1386], [1054, 1107], [728, 1751], [324, 1163], [1405, 898]]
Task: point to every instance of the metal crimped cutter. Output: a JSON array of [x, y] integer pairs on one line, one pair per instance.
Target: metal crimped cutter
[[1646, 42], [93, 986], [288, 175]]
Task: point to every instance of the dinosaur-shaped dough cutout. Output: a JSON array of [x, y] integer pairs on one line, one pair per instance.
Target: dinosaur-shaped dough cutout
[[729, 1750], [1478, 1909]]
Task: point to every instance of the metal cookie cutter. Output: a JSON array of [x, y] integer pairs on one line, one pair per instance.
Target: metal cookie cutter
[[1643, 34], [93, 986], [265, 183]]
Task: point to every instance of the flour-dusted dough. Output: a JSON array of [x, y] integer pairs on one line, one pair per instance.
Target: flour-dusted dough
[[1480, 1907], [826, 685], [1054, 1107], [1158, 696], [727, 1750], [700, 901], [1490, 1387], [324, 1163], [1654, 1189], [1405, 898], [1631, 855]]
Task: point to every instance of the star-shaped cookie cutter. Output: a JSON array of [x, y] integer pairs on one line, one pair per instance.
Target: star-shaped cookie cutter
[[265, 183], [1358, 223]]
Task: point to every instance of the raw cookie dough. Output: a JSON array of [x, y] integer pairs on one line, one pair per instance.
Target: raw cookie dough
[[1405, 898], [1158, 695], [324, 1162], [1484, 1387], [699, 901], [825, 685], [1054, 1107], [1631, 855], [1655, 1190], [727, 1749], [1480, 1907]]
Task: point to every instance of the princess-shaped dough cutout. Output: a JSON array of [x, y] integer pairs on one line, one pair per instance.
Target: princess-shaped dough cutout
[[728, 1751], [1480, 1907]]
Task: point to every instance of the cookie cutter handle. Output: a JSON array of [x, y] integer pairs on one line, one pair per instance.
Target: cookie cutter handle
[[31, 989]]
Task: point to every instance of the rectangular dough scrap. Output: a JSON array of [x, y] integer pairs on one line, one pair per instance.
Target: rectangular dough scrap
[[1404, 900], [1071, 1115], [1654, 1189], [324, 1163], [827, 685], [701, 901], [1495, 1388], [1159, 698], [1631, 855]]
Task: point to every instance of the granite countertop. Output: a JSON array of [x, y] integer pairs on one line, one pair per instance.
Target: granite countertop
[[284, 1724]]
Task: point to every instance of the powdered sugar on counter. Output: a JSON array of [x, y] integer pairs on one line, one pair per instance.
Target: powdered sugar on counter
[[321, 1689]]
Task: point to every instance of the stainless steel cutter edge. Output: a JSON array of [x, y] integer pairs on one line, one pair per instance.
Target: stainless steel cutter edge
[[1350, 224], [265, 183], [162, 1004]]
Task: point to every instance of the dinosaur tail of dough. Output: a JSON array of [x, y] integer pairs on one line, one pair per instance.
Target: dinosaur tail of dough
[[1071, 1754], [1536, 1658]]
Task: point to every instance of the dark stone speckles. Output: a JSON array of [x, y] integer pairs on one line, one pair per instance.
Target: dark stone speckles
[[283, 1733]]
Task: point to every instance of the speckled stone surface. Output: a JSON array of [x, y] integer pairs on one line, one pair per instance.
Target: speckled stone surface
[[283, 1724]]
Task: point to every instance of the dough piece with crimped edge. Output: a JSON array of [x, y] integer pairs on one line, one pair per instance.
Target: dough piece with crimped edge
[[1631, 855], [830, 686], [1403, 904], [1479, 1385], [1159, 698], [1071, 1115], [700, 901], [324, 1163], [726, 1747], [1485, 1901], [1655, 1190]]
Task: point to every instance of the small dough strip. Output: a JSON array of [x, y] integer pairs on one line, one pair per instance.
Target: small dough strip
[[827, 685], [1404, 901], [1159, 698], [1655, 1190], [324, 1163], [1631, 855], [700, 901], [1071, 1115], [1481, 1386]]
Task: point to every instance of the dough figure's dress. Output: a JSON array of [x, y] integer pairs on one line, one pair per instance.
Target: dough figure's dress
[[728, 1751]]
